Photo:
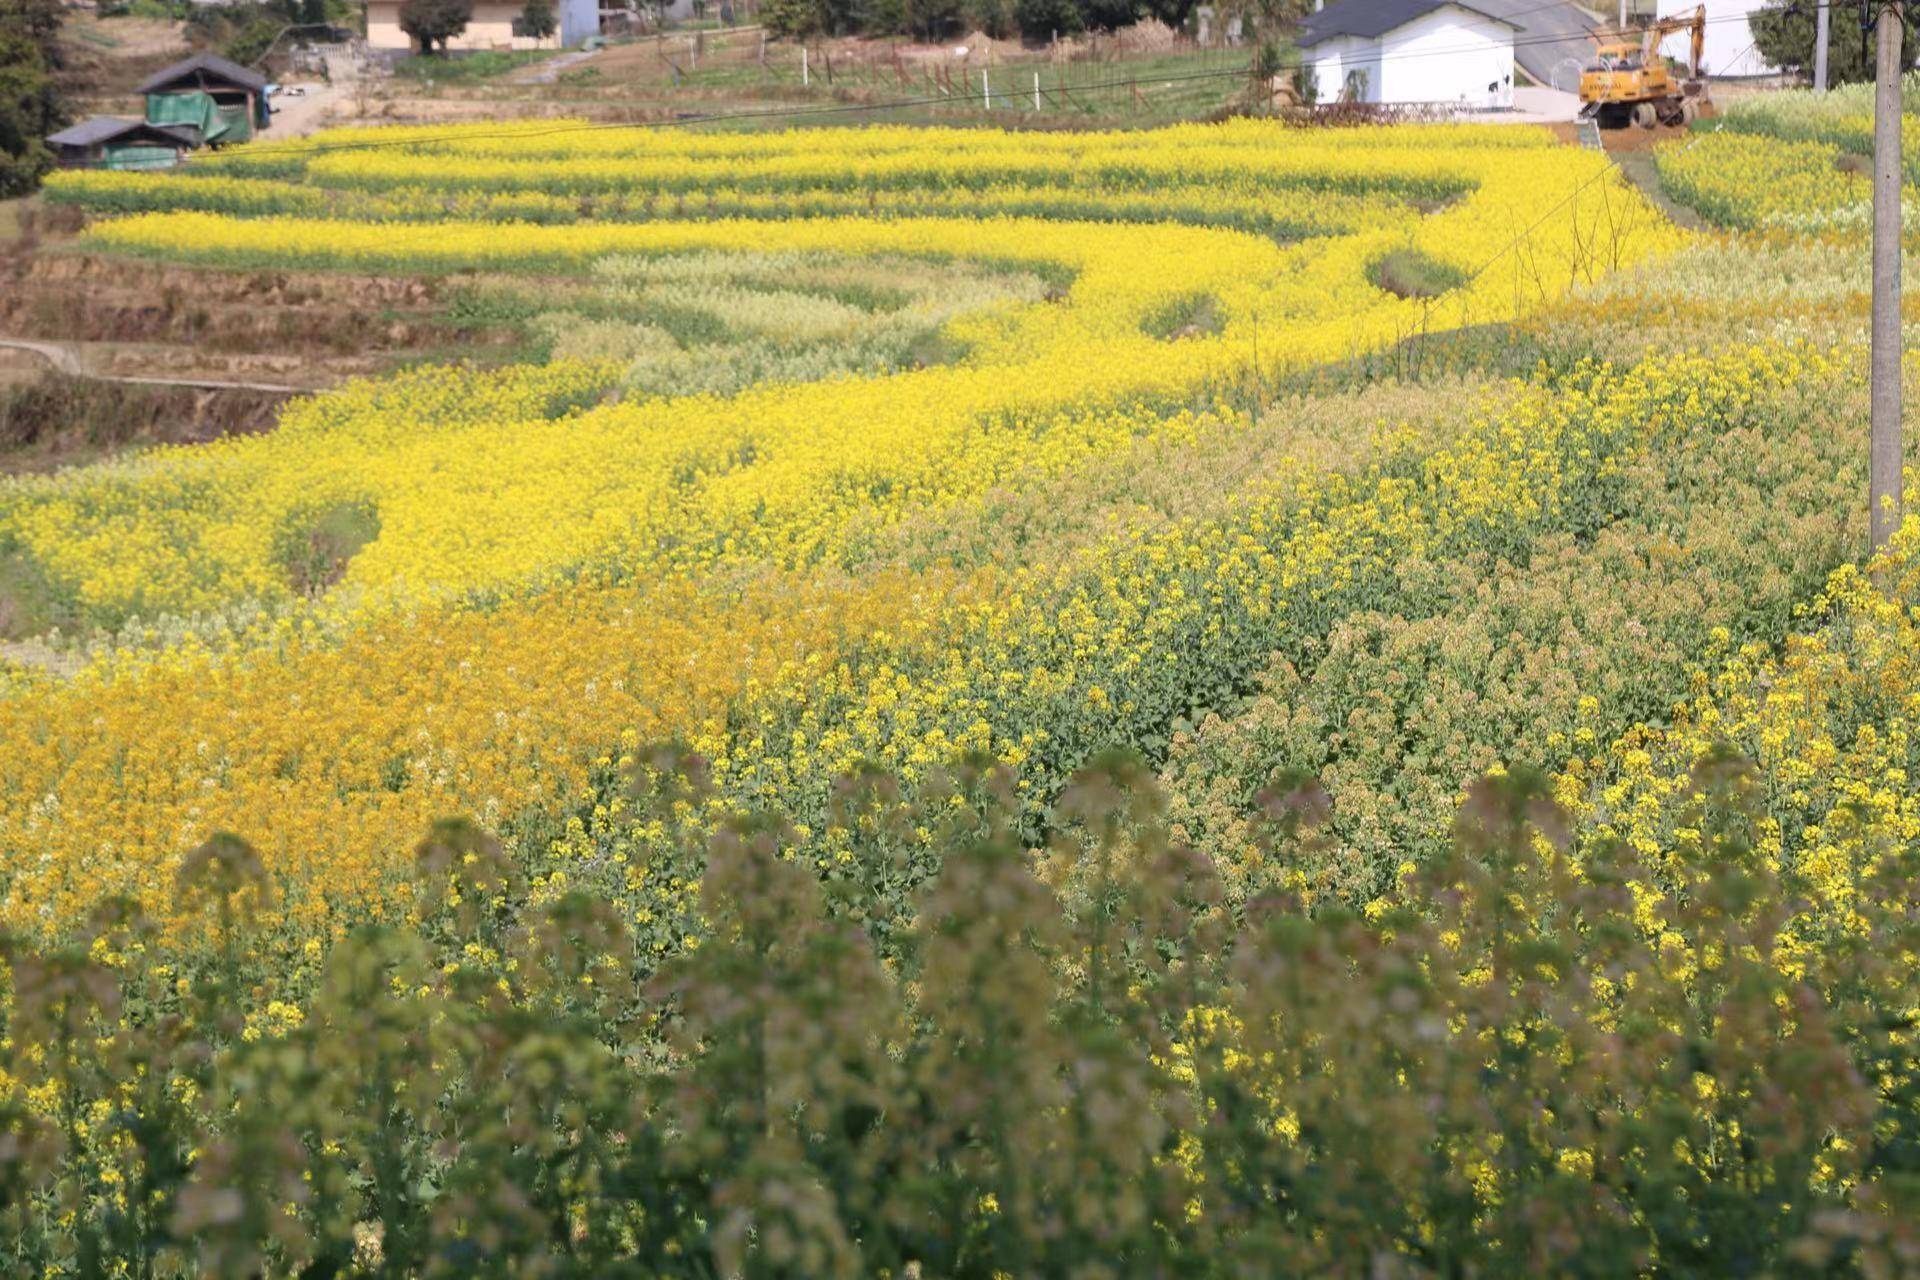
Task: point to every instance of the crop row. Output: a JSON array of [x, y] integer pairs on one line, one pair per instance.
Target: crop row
[[1039, 665], [689, 482], [1757, 183], [1842, 116], [1526, 1053], [1539, 660], [1300, 215], [575, 139]]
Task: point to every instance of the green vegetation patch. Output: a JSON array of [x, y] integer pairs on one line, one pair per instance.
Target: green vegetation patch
[[720, 322], [28, 606], [1197, 315], [316, 545], [1408, 273], [467, 68]]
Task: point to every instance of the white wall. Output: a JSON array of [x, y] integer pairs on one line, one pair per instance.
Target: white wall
[[491, 26], [1730, 50], [1333, 59], [578, 20], [1449, 55]]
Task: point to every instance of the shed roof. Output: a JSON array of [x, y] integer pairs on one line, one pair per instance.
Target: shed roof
[[103, 129], [204, 69], [1370, 18]]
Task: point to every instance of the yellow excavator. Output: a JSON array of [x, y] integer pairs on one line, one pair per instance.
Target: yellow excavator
[[1629, 80]]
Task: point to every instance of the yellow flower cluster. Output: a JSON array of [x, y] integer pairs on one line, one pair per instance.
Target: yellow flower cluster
[[1829, 725], [1842, 115], [1757, 183], [1186, 198], [546, 568], [940, 149], [351, 743], [1064, 660], [774, 471], [335, 755]]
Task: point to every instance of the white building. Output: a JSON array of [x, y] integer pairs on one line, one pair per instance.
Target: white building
[[1409, 51], [494, 25], [1730, 49]]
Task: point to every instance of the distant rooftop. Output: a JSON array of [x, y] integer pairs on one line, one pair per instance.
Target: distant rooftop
[[200, 69], [102, 129], [1368, 19]]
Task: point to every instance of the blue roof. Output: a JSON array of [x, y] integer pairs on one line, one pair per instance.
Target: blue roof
[[104, 129]]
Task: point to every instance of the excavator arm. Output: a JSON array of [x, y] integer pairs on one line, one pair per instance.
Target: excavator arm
[[1658, 31]]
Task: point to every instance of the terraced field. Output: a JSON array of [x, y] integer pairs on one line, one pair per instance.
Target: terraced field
[[1206, 700]]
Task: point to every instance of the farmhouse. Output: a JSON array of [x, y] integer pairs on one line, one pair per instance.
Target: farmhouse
[[105, 142], [223, 101], [495, 25], [1408, 51]]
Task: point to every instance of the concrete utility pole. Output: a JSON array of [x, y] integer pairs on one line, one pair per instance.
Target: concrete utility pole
[[1883, 478], [1822, 21]]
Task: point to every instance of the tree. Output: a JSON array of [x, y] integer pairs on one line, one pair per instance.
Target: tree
[[38, 21], [1172, 12], [249, 43], [1783, 33], [30, 105], [1040, 19], [995, 17], [1111, 15], [793, 19], [931, 19], [1269, 22], [536, 20], [434, 22]]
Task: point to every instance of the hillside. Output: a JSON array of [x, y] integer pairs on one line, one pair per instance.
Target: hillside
[[1222, 698]]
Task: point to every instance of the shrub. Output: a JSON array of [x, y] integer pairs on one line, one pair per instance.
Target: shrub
[[536, 20], [30, 107], [1783, 33], [435, 22]]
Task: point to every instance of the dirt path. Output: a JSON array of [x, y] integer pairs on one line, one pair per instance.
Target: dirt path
[[548, 72], [67, 361], [1639, 170], [296, 117]]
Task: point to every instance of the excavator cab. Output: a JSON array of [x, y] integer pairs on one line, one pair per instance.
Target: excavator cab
[[1616, 58]]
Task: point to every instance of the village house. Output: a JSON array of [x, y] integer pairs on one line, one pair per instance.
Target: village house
[[1409, 52], [495, 24], [222, 100], [105, 142]]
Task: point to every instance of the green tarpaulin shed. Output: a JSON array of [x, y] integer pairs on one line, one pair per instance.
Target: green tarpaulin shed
[[224, 100], [215, 122], [141, 157], [104, 142]]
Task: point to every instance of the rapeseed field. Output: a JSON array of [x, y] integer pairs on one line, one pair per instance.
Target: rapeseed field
[[998, 703]]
